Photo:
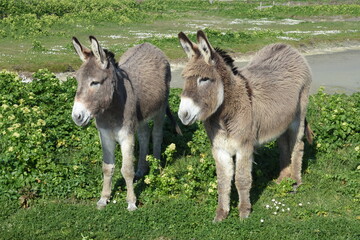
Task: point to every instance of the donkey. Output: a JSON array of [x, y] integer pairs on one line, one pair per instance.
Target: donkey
[[123, 97], [243, 108]]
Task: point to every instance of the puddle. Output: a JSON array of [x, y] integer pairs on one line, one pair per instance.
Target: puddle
[[265, 21]]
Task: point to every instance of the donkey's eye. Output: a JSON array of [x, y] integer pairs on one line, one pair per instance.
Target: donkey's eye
[[203, 80], [94, 83]]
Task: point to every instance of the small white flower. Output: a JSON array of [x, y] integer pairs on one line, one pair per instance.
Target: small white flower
[[283, 210], [277, 207], [288, 209], [261, 220], [273, 200], [267, 206], [114, 201], [283, 205], [300, 204], [275, 213], [308, 202]]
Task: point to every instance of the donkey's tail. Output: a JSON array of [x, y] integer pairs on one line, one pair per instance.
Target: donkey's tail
[[308, 132], [173, 122]]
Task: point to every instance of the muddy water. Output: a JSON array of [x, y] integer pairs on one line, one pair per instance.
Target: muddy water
[[337, 72]]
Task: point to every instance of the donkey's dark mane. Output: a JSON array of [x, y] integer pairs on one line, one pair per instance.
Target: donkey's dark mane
[[228, 60], [121, 74], [110, 56]]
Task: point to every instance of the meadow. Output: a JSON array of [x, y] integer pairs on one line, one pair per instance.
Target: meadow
[[50, 169], [38, 33]]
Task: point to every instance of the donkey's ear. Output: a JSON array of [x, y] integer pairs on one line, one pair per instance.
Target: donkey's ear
[[82, 51], [187, 45], [205, 48], [99, 52]]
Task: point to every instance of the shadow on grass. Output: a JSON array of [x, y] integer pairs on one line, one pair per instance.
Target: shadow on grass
[[267, 168]]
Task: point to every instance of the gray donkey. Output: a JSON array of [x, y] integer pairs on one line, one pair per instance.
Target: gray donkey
[[242, 108], [122, 98]]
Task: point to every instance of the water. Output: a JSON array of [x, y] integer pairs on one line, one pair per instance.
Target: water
[[337, 72]]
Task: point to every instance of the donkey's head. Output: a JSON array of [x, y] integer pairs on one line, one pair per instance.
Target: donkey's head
[[204, 76], [95, 81]]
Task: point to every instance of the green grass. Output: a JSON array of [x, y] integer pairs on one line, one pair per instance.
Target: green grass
[[325, 206], [129, 22], [326, 213]]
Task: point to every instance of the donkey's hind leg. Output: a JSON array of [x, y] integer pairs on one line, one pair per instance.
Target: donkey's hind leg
[[157, 132], [296, 135], [297, 149], [284, 159], [144, 138]]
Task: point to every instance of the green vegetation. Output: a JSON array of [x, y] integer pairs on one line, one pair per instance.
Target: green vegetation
[[37, 34], [55, 169]]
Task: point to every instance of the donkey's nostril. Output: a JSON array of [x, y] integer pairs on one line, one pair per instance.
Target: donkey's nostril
[[183, 115], [77, 117]]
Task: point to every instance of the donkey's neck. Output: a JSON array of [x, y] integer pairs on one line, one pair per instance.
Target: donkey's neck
[[236, 107], [114, 113]]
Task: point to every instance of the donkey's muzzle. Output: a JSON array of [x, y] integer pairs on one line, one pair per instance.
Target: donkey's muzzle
[[80, 115], [188, 111]]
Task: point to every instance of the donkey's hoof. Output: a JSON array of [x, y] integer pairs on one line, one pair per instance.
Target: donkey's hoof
[[220, 215], [243, 214], [131, 207], [101, 204], [140, 174], [295, 186], [244, 211]]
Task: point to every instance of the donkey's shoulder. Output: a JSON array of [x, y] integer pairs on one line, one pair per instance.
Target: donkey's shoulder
[[144, 52], [276, 51]]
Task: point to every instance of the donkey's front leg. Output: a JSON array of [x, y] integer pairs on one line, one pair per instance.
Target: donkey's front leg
[[108, 149], [243, 179], [127, 169], [225, 173]]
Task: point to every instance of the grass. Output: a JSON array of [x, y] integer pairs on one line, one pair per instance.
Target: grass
[[326, 213], [165, 19]]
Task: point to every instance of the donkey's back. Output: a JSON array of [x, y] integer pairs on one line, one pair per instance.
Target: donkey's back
[[279, 78], [278, 67], [149, 72]]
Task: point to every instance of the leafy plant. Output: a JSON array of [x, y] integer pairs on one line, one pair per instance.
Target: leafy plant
[[37, 133], [43, 151], [335, 123]]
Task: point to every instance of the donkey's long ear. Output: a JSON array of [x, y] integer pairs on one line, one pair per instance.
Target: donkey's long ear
[[205, 48], [187, 45], [98, 52], [82, 51]]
